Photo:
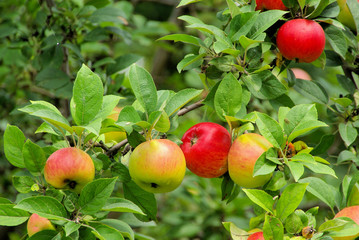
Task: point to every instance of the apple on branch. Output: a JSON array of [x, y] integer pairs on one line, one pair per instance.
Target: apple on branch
[[36, 224], [206, 146], [69, 168], [157, 165]]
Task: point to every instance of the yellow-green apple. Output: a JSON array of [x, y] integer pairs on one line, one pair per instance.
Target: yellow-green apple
[[157, 165], [301, 39], [300, 73], [256, 236], [270, 5], [205, 147], [351, 212], [114, 136], [69, 168], [242, 156], [308, 232], [345, 16], [353, 198], [36, 224]]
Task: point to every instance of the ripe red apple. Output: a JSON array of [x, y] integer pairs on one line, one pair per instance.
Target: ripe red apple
[[270, 5], [302, 39], [114, 136], [345, 16], [256, 236], [69, 168], [36, 224], [350, 212], [157, 166], [242, 156], [205, 147], [300, 73]]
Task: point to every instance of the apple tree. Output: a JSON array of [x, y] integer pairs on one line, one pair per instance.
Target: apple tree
[[286, 149]]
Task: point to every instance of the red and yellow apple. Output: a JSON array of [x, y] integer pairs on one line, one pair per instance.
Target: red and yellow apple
[[242, 156], [205, 147], [256, 236], [157, 165], [270, 5], [350, 212], [69, 168], [114, 136], [345, 16], [36, 224], [301, 74], [301, 39]]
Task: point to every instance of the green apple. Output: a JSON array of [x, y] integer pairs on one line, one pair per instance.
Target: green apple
[[69, 168], [36, 224], [157, 166], [345, 16], [242, 156]]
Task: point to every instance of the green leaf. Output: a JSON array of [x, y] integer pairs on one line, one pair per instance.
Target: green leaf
[[270, 129], [297, 170], [319, 9], [261, 198], [188, 60], [23, 184], [248, 43], [71, 227], [277, 181], [311, 90], [14, 141], [145, 200], [87, 96], [264, 21], [34, 157], [236, 233], [109, 102], [273, 228], [122, 62], [304, 157], [180, 99], [121, 205], [348, 133], [213, 30], [45, 234], [325, 143], [320, 168], [121, 226], [354, 9], [47, 207], [336, 38], [228, 97], [290, 199], [321, 190], [293, 223], [95, 194], [10, 216], [182, 38], [335, 224], [263, 166], [143, 87], [233, 8], [105, 232], [242, 24], [186, 2]]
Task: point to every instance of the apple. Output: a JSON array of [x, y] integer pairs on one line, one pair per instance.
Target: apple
[[69, 168], [114, 136], [242, 156], [157, 165], [205, 147], [301, 39], [300, 73], [36, 224], [345, 16], [308, 232], [350, 212], [270, 5], [256, 236]]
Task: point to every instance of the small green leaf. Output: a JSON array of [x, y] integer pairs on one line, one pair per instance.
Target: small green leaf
[[182, 38], [335, 224], [186, 2], [348, 133], [189, 60], [159, 121], [273, 228], [263, 166], [23, 184], [320, 168], [233, 8], [105, 232], [71, 227], [264, 21], [297, 170], [261, 198], [270, 129], [180, 99], [121, 205], [34, 158], [10, 216], [311, 90], [121, 226], [14, 141]]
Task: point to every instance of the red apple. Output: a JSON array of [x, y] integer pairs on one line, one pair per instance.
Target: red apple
[[270, 5], [69, 168], [36, 224], [300, 73], [256, 236], [302, 39], [350, 212], [157, 166], [242, 156], [205, 147]]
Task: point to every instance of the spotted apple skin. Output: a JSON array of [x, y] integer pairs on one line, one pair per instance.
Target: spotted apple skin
[[242, 156], [206, 146], [157, 166], [37, 223], [69, 168]]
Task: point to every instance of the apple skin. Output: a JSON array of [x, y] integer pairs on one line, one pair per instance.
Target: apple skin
[[115, 136], [270, 5], [242, 156], [345, 16], [302, 39], [205, 147], [300, 73], [36, 224], [69, 168], [350, 212], [256, 236], [157, 166]]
